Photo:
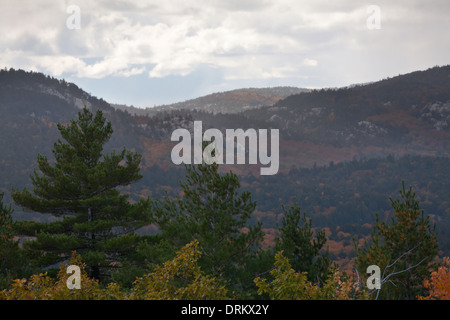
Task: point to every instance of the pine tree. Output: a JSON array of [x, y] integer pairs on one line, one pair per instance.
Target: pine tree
[[403, 250], [302, 247], [10, 255], [81, 189], [214, 213]]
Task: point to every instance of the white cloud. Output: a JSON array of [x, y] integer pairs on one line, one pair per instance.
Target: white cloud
[[57, 65], [180, 36], [245, 39], [310, 62]]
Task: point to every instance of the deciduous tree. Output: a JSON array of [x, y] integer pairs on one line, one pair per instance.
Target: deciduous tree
[[438, 285], [287, 284]]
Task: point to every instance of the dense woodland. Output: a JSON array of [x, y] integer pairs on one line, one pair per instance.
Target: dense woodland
[[342, 197], [307, 232], [206, 246]]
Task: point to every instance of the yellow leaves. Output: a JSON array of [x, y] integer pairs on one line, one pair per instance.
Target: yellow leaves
[[286, 285], [290, 285], [36, 288], [180, 278], [43, 287]]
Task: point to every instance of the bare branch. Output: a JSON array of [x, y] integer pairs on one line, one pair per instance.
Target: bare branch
[[384, 279]]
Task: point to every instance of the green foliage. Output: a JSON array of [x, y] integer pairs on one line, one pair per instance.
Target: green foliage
[[213, 212], [80, 188], [301, 246], [6, 221], [287, 284], [342, 197], [10, 255], [404, 249]]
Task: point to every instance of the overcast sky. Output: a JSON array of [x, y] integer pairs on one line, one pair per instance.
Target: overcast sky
[[147, 53]]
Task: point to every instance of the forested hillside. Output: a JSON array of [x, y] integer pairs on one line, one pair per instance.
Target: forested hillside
[[342, 198], [343, 154], [233, 101]]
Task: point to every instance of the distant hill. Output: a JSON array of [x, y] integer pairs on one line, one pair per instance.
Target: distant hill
[[409, 113], [327, 140], [233, 101], [31, 104]]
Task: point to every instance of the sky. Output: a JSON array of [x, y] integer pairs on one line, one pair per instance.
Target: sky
[[154, 52]]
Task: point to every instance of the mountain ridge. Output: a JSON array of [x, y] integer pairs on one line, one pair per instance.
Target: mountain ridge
[[406, 114], [328, 138], [231, 101]]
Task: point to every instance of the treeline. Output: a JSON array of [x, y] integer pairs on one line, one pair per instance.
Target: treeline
[[206, 246], [356, 189], [342, 195]]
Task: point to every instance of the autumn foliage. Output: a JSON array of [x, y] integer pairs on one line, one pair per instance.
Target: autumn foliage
[[43, 287], [287, 284], [180, 278], [439, 283]]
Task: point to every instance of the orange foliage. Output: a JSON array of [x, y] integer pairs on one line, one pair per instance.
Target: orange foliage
[[270, 235], [439, 283]]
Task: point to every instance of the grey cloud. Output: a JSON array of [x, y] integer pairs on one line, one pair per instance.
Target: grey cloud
[[317, 40], [29, 43]]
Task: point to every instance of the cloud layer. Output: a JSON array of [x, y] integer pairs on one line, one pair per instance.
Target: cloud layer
[[324, 42]]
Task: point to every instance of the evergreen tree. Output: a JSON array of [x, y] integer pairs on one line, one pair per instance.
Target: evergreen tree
[[214, 213], [302, 247], [10, 255], [403, 250], [80, 188]]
